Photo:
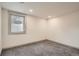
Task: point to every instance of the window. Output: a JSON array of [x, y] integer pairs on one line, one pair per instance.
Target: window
[[17, 23]]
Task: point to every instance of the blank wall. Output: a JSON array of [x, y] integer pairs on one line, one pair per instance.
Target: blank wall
[[65, 29], [35, 31], [0, 32]]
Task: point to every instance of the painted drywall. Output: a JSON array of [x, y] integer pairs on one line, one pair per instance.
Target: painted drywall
[[0, 32], [62, 29], [35, 31], [65, 29], [42, 9]]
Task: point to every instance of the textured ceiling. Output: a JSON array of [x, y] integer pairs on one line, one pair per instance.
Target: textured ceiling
[[43, 9]]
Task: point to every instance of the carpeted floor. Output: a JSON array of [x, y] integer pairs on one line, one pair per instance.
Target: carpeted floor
[[43, 48]]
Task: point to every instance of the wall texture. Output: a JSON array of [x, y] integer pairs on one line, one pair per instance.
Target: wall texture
[[65, 29], [0, 31], [35, 31]]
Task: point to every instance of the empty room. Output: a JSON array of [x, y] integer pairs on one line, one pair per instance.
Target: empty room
[[39, 28]]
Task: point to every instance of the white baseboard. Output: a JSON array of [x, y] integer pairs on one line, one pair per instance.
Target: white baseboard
[[64, 44], [24, 44]]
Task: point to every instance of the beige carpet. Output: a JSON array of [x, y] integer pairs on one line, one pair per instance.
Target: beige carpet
[[43, 48]]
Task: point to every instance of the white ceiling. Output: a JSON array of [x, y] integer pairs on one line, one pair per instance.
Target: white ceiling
[[43, 9]]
